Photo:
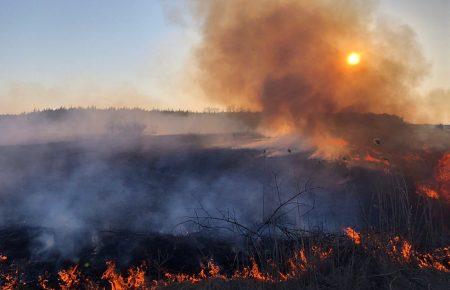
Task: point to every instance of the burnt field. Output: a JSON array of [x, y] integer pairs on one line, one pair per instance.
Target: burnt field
[[123, 207]]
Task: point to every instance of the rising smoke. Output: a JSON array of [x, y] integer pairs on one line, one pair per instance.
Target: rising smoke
[[287, 59]]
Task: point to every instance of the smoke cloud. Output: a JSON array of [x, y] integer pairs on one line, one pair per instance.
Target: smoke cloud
[[70, 175], [288, 59]]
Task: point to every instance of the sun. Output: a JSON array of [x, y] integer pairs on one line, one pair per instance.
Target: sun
[[353, 58]]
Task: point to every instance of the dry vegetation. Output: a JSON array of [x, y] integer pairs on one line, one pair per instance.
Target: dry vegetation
[[401, 246]]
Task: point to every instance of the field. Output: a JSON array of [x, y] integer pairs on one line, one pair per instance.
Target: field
[[134, 199]]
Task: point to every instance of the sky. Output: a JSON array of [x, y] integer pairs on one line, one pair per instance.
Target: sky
[[105, 53]]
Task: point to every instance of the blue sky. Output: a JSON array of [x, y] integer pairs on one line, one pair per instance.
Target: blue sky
[[113, 53]]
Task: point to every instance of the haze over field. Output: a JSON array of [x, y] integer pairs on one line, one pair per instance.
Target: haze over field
[[145, 54]]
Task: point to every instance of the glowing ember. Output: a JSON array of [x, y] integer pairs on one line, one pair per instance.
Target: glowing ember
[[11, 281], [320, 253], [427, 191], [353, 235]]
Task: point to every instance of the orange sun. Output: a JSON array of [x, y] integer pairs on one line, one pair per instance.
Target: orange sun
[[353, 58]]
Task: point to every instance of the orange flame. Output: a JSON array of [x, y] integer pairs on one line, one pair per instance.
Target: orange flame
[[427, 191], [353, 235], [400, 250], [440, 186], [397, 248], [252, 272], [373, 159], [69, 278], [135, 279]]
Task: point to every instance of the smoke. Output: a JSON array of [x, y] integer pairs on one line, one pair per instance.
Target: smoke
[[75, 124], [288, 59], [72, 175], [68, 176]]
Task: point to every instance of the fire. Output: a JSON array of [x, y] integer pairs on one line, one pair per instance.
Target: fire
[[297, 265], [135, 279], [69, 278], [353, 58], [406, 251], [443, 169], [211, 271], [252, 272], [442, 176], [320, 253], [370, 158], [329, 147], [427, 191], [439, 185], [400, 250], [11, 283], [353, 235], [438, 260]]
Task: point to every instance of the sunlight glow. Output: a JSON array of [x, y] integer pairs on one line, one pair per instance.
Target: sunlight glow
[[353, 58]]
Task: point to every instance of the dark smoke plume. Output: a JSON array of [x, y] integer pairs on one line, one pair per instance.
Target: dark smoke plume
[[288, 59]]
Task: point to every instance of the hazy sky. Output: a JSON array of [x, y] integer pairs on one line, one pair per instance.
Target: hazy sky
[[128, 53]]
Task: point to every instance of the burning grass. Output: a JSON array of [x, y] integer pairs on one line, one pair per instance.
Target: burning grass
[[400, 241], [402, 245], [360, 259]]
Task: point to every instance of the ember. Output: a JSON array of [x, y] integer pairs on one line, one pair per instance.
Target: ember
[[353, 235]]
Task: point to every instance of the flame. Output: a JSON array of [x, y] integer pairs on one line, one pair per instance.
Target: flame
[[371, 158], [135, 279], [69, 278], [253, 273], [329, 147], [297, 265], [43, 283], [320, 253], [398, 249], [211, 271], [439, 185], [443, 168], [427, 191], [353, 235], [438, 260], [11, 281], [442, 176]]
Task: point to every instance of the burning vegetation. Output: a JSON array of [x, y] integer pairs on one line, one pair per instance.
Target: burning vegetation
[[360, 201], [316, 259]]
